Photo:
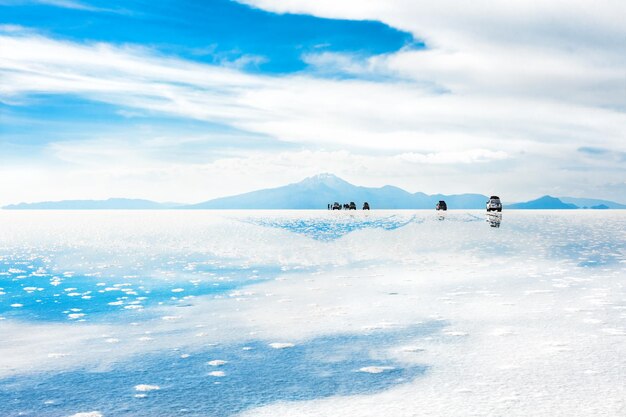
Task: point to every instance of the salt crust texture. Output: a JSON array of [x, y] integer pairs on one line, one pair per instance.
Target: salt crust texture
[[534, 312]]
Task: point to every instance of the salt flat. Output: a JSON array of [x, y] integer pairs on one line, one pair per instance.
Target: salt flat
[[313, 313]]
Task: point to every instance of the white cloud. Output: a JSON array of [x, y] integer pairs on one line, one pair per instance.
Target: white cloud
[[64, 4], [516, 83], [567, 46], [564, 50], [471, 156], [392, 115], [67, 4], [8, 28]]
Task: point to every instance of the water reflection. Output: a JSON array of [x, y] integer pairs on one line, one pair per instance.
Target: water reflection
[[335, 227], [494, 219]]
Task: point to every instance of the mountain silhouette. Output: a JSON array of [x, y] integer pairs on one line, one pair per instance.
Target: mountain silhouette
[[109, 204], [317, 191], [545, 202]]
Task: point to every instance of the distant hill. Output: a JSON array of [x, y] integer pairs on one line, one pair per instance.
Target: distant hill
[[316, 192], [110, 204], [592, 203], [545, 202]]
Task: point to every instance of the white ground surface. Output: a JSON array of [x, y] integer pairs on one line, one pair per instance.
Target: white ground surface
[[534, 312]]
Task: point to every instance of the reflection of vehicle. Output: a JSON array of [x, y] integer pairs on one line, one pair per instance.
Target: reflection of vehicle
[[366, 206], [494, 203], [352, 206], [494, 219], [336, 206], [441, 205]]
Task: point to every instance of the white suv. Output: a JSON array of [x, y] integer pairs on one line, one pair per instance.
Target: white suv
[[494, 203]]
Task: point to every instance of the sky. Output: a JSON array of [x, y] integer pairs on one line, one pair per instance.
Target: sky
[[191, 100]]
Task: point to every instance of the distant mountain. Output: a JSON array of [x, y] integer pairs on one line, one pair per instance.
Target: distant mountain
[[592, 203], [110, 204], [316, 192], [545, 202]]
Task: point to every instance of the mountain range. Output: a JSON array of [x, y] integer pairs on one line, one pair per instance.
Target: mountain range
[[318, 191], [110, 204], [545, 202]]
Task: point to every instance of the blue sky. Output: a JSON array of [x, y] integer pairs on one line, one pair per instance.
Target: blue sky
[[213, 31], [192, 100]]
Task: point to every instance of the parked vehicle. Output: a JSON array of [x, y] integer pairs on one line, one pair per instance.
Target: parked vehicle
[[336, 206], [494, 204], [441, 205], [352, 206], [366, 206]]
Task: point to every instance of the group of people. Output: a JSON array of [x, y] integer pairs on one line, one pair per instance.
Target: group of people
[[347, 206]]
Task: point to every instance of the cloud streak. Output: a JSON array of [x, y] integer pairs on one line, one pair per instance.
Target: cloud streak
[[63, 4]]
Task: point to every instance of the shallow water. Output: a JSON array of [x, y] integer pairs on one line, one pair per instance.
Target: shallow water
[[307, 305]]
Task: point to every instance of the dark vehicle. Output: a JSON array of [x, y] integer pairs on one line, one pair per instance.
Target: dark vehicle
[[441, 205], [336, 206], [366, 206], [494, 204], [352, 206], [346, 206]]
